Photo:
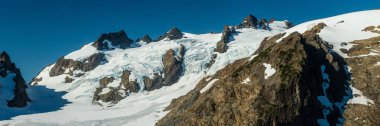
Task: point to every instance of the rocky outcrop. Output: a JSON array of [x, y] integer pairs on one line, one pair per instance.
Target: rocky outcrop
[[221, 46], [249, 22], [20, 98], [115, 39], [129, 86], [365, 70], [173, 65], [173, 68], [263, 24], [172, 34], [309, 79], [113, 96], [67, 66], [146, 39], [373, 29]]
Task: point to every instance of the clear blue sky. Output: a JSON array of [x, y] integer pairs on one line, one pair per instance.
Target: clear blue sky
[[37, 32]]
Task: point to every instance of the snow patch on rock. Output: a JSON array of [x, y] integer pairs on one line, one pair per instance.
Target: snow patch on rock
[[208, 86], [359, 98], [269, 71]]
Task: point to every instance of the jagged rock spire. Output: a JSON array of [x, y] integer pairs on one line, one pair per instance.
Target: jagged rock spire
[[20, 98], [116, 38], [221, 46], [172, 34], [249, 22]]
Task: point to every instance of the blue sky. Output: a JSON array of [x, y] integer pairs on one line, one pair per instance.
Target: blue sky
[[37, 32]]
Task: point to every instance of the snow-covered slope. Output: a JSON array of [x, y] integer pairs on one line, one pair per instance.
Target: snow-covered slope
[[144, 107], [342, 28]]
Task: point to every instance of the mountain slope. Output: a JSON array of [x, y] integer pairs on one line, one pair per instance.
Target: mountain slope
[[239, 93], [134, 84], [355, 37], [322, 72], [248, 93]]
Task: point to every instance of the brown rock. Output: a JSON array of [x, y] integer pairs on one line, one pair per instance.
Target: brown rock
[[130, 86], [172, 34], [366, 78], [88, 64], [289, 97], [249, 22], [221, 46], [106, 80]]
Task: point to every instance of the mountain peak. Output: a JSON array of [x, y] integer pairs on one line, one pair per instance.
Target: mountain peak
[[115, 38], [249, 22], [4, 57], [146, 39], [172, 34]]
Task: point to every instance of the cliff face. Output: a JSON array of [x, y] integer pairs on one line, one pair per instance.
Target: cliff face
[[11, 79], [364, 62], [298, 81]]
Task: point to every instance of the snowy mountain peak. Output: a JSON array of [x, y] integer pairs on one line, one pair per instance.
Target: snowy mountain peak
[[172, 34], [113, 39]]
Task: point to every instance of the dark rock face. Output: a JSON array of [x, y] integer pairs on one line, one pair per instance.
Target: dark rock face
[[263, 24], [306, 71], [68, 79], [130, 86], [172, 34], [88, 64], [116, 38], [173, 69], [21, 98], [221, 46], [112, 96], [173, 65], [146, 39], [249, 22]]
